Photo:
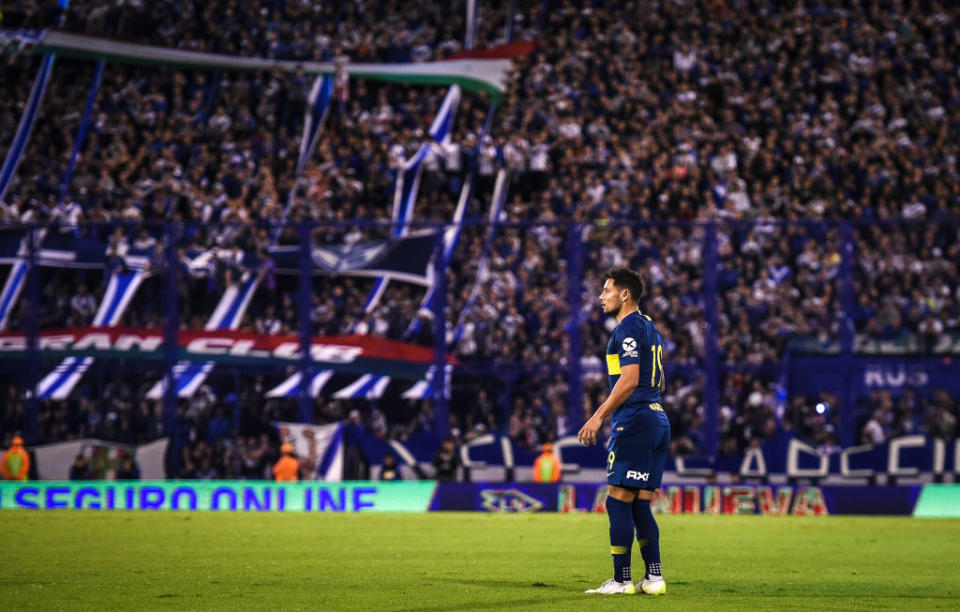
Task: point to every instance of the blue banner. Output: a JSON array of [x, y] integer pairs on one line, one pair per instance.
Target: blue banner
[[906, 456], [404, 258], [809, 376], [737, 498]]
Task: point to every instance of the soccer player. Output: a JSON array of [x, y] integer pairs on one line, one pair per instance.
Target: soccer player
[[640, 433]]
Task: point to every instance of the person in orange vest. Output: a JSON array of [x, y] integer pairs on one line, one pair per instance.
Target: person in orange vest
[[547, 467], [287, 469], [15, 463]]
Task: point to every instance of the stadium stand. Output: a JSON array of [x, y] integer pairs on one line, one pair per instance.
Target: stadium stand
[[798, 131]]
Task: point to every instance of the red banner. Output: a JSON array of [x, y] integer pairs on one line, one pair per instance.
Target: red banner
[[215, 345]]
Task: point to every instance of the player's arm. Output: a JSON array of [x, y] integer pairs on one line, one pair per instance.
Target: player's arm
[[628, 381]]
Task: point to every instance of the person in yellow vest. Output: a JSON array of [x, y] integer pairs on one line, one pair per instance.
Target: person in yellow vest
[[547, 467], [15, 463], [287, 469]]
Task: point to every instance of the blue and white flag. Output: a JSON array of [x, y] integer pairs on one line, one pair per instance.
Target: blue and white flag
[[404, 198], [319, 445], [405, 195], [66, 250], [188, 376], [408, 182], [11, 290], [372, 387], [291, 386], [405, 258], [442, 129], [318, 105], [18, 272], [367, 386], [496, 206], [450, 238], [427, 388], [120, 291], [405, 191]]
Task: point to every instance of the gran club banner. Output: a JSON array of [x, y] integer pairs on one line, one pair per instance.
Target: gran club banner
[[351, 354]]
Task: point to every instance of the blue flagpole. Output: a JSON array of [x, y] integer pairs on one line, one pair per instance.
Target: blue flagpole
[[711, 441], [30, 420], [304, 400], [82, 130], [848, 335], [211, 94], [31, 423], [29, 117], [171, 348], [440, 403]]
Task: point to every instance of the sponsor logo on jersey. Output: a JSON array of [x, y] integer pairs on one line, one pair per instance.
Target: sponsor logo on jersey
[[629, 347]]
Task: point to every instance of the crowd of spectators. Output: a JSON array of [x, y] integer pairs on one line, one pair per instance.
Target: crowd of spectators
[[631, 120]]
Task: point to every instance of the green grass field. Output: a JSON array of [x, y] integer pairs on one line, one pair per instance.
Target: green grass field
[[166, 560]]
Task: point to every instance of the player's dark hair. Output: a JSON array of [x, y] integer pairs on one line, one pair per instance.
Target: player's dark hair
[[625, 278]]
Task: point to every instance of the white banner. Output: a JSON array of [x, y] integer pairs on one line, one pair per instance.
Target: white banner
[[54, 460], [487, 71], [320, 445]]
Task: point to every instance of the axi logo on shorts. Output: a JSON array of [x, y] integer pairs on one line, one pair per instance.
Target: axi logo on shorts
[[644, 476]]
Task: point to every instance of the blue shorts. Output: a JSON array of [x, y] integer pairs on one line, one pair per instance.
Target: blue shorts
[[636, 459]]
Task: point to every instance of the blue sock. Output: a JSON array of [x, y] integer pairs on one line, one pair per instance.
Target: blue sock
[[621, 537], [648, 535]]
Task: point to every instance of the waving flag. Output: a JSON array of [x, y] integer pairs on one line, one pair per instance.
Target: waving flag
[[321, 446], [120, 290], [406, 259], [367, 386], [499, 199], [427, 388], [319, 104], [18, 272], [404, 199], [313, 119], [483, 70], [291, 386], [11, 290], [188, 375]]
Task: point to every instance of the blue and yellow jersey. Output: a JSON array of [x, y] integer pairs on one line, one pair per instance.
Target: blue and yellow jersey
[[637, 341]]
